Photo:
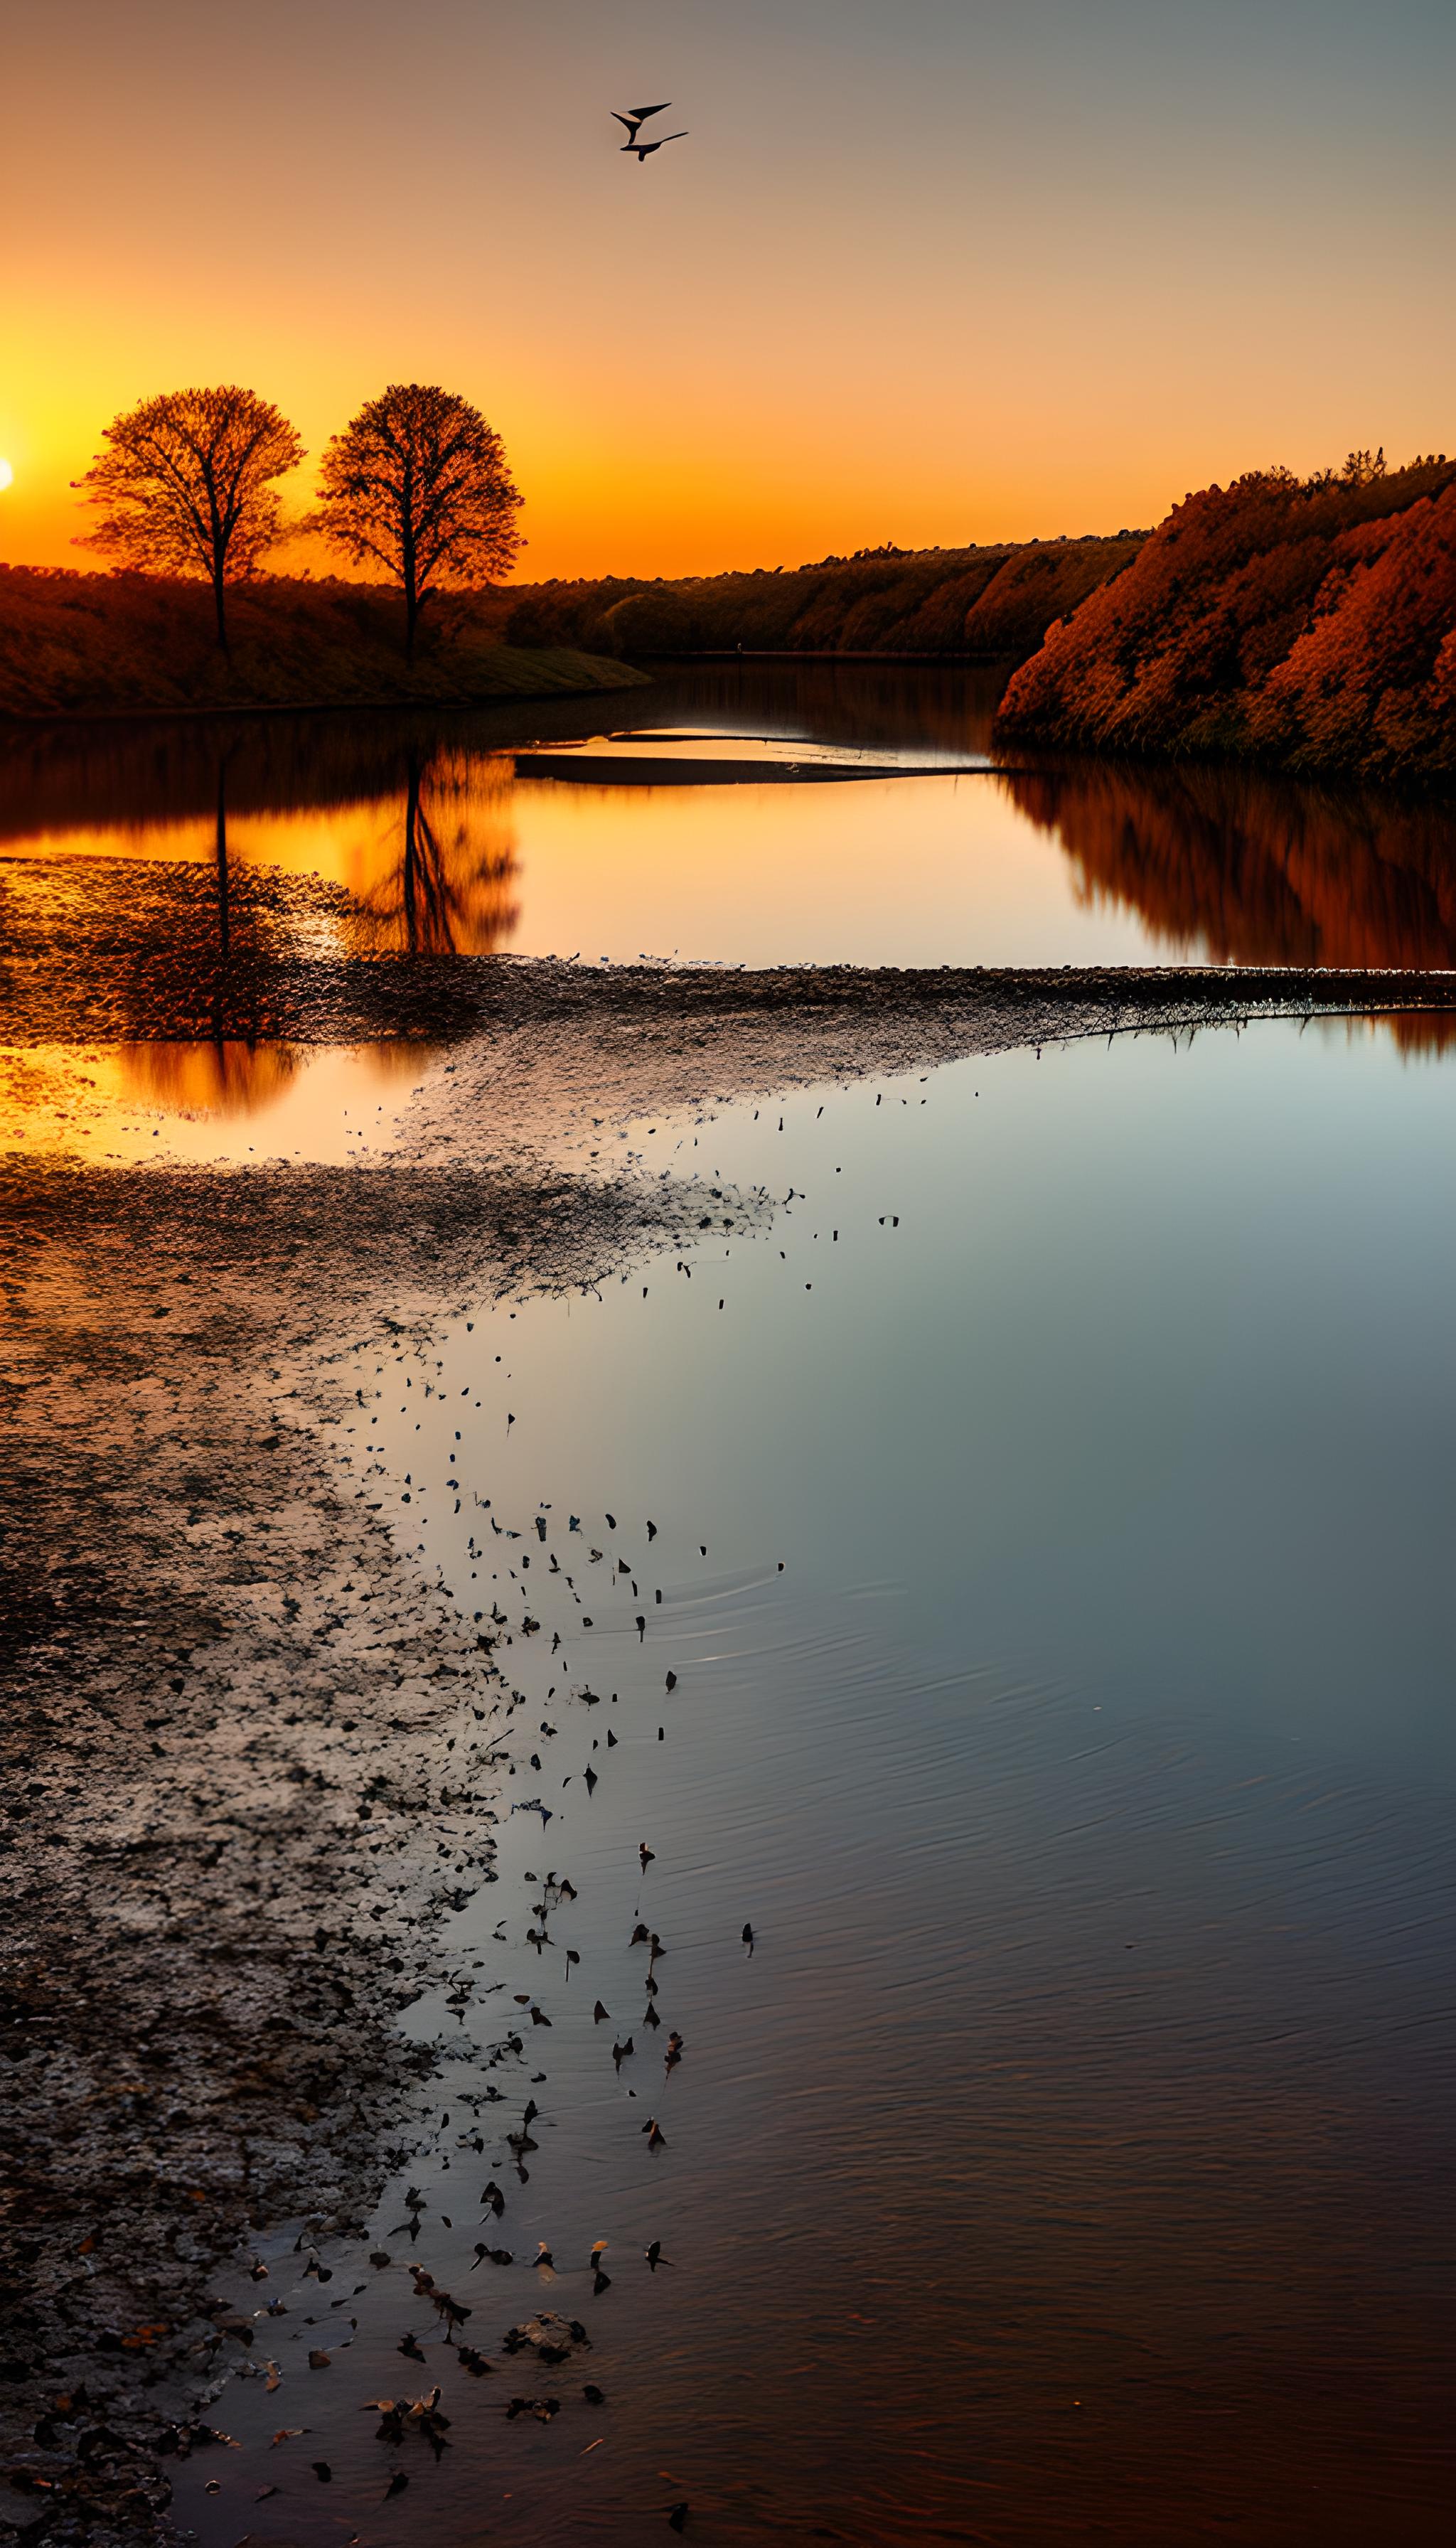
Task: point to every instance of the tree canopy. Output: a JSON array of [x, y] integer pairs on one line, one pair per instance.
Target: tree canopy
[[187, 487], [1309, 621], [418, 484]]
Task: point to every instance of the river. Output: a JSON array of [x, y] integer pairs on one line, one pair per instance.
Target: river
[[1011, 1577]]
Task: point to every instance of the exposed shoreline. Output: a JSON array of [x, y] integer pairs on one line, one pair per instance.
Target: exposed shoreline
[[111, 950]]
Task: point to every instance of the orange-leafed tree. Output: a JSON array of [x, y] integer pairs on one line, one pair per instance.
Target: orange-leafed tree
[[188, 486], [418, 484]]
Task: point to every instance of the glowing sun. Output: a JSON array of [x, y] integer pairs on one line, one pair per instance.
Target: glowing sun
[[7, 475]]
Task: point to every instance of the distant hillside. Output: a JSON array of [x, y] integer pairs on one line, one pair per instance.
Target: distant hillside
[[885, 601], [1308, 623], [102, 644]]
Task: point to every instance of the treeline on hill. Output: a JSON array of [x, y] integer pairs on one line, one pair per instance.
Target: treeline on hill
[[1310, 624], [106, 644], [82, 644], [996, 601]]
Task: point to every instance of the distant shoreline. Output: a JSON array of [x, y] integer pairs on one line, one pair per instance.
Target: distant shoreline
[[606, 679], [828, 655]]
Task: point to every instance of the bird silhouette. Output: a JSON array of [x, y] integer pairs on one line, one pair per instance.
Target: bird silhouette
[[635, 116], [644, 149]]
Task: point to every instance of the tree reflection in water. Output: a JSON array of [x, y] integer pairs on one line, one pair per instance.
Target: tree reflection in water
[[226, 1076], [1230, 866], [437, 880], [229, 942], [444, 871]]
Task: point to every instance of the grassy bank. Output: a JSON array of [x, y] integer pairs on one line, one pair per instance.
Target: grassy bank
[[87, 645], [1309, 624], [996, 601]]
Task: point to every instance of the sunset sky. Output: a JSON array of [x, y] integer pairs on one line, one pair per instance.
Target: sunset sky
[[924, 270]]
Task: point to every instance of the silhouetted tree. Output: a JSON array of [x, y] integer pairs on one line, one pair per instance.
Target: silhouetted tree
[[418, 483], [187, 487]]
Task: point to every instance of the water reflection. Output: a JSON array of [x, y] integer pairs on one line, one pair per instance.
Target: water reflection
[[441, 878], [127, 777], [1248, 869], [416, 834], [1065, 2161], [225, 1077], [185, 937]]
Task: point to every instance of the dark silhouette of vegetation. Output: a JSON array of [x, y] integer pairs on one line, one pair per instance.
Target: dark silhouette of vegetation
[[417, 485], [187, 487], [993, 601], [77, 645], [1310, 623]]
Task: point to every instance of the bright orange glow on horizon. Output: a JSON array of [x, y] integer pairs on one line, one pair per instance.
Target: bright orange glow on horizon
[[924, 275]]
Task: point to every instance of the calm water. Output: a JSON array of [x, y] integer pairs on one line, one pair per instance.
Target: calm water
[[1053, 1516], [1072, 2158], [442, 843]]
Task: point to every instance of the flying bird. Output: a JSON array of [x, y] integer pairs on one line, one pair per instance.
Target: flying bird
[[635, 116], [644, 149]]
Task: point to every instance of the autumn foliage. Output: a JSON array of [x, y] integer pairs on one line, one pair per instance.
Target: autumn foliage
[[1310, 624]]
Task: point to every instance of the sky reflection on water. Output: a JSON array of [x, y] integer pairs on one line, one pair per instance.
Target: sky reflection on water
[[1068, 2158]]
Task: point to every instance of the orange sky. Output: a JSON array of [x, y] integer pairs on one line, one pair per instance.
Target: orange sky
[[924, 270]]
